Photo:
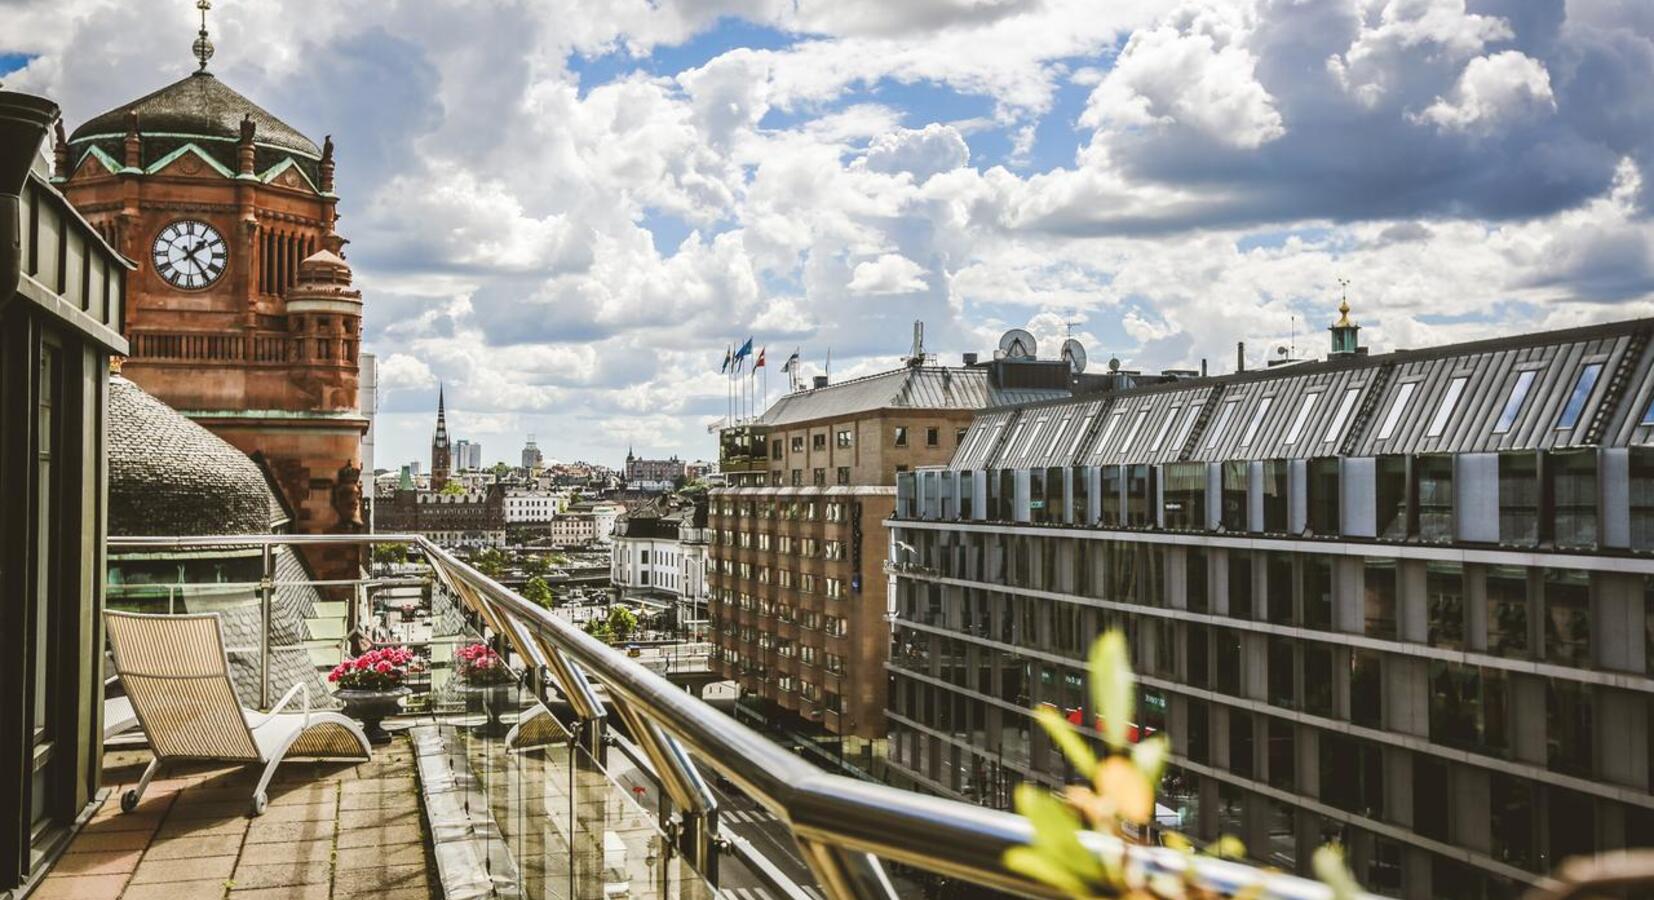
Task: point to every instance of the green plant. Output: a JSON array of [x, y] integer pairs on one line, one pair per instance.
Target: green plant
[[490, 562], [390, 553], [451, 488], [538, 592], [622, 622], [1117, 799]]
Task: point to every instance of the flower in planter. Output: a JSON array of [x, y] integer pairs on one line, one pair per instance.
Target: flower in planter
[[478, 664], [376, 670]]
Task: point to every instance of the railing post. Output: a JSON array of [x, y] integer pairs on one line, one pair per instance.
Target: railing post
[[267, 591], [848, 874], [697, 808]]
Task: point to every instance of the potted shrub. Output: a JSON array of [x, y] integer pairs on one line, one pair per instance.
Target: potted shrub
[[371, 687], [487, 684]]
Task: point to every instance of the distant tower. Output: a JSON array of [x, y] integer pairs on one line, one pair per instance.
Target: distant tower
[[440, 449], [532, 459], [1344, 331]]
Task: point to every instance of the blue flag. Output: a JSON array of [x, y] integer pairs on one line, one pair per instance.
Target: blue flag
[[745, 351]]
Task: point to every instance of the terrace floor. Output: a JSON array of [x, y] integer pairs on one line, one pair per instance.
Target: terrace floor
[[333, 831]]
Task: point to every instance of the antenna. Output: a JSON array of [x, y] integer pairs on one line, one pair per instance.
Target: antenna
[[1293, 342]]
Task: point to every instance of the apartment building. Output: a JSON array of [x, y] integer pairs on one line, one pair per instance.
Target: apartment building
[[798, 603], [659, 558], [1403, 601]]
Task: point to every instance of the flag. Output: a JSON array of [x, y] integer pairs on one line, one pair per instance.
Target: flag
[[729, 357], [791, 363], [760, 363], [745, 351]]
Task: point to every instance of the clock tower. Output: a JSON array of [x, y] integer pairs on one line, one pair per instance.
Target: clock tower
[[240, 313]]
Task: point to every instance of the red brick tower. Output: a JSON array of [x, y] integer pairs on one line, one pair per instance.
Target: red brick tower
[[241, 313]]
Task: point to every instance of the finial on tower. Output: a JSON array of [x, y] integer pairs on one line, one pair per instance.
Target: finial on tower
[[1343, 304], [1344, 340], [202, 46]]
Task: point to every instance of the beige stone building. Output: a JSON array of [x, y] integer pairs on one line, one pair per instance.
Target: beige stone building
[[798, 603]]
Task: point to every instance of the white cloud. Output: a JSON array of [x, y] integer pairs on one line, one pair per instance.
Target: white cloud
[[919, 152], [891, 273], [1493, 90]]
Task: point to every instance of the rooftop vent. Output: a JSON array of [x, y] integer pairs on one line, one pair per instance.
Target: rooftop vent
[[819, 382], [970, 359]]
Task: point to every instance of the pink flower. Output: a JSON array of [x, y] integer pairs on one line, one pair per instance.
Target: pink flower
[[382, 668]]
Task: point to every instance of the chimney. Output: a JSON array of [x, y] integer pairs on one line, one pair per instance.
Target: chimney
[[1240, 356], [820, 381], [970, 359], [1203, 367]]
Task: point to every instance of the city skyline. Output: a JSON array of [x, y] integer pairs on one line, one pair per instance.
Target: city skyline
[[819, 177]]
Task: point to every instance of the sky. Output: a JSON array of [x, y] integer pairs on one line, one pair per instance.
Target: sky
[[564, 211]]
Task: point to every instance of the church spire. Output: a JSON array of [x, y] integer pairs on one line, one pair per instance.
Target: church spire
[[202, 46]]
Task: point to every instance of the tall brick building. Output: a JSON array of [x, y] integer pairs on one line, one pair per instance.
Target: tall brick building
[[240, 312], [796, 564]]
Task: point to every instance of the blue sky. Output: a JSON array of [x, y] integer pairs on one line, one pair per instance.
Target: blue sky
[[1170, 181]]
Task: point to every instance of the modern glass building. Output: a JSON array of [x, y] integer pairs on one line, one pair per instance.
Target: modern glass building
[[1403, 601]]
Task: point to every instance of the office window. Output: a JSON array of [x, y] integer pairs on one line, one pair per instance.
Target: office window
[[818, 477], [1581, 393], [1641, 498], [1573, 825], [1140, 496], [1226, 653], [1519, 498], [1199, 725], [1469, 707], [1196, 658], [1079, 501], [1507, 611], [1233, 478], [1366, 688], [1275, 496], [1573, 476], [1241, 752], [1283, 754], [1165, 428], [1430, 796], [1323, 495], [1513, 402], [798, 443], [1567, 618], [1318, 679], [1240, 584], [1278, 587], [901, 436], [798, 477], [1450, 401], [1404, 393], [1185, 496], [1379, 597], [844, 440], [932, 437], [1110, 502], [1037, 512], [1305, 407], [1444, 604], [1510, 819], [1195, 587], [1434, 475], [1317, 592], [1568, 726], [1346, 405], [1283, 669], [843, 475], [1257, 420], [1352, 774], [1390, 497], [1224, 416], [818, 441]]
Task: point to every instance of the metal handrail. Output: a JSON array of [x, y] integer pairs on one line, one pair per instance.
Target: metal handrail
[[845, 826]]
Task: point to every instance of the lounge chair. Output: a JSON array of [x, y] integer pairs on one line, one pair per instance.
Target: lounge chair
[[177, 676]]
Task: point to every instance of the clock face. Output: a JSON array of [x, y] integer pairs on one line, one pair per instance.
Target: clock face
[[189, 254]]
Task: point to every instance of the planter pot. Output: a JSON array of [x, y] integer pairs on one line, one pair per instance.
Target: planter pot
[[490, 701], [371, 708]]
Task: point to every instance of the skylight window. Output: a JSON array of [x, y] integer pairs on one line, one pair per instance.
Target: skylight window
[[1188, 424], [1397, 407], [1108, 430], [1033, 438], [1257, 419], [1166, 426], [1438, 423], [1582, 392], [1057, 435], [1648, 414], [1085, 426], [1305, 407], [1136, 426], [1015, 441], [1223, 422], [1513, 403], [1345, 407]]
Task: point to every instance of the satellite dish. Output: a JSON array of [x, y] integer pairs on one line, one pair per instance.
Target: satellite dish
[[1017, 344], [1280, 351], [1114, 363], [1074, 352]]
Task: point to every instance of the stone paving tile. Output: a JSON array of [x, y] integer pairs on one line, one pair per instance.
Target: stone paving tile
[[300, 812], [293, 852], [371, 857], [265, 832], [79, 887], [186, 809], [382, 836], [379, 801], [375, 818], [110, 840], [282, 875], [291, 892], [168, 870], [200, 889], [172, 828], [111, 862], [378, 786], [194, 846], [359, 882]]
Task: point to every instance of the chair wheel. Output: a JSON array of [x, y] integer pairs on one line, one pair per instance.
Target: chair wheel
[[129, 801], [261, 802]]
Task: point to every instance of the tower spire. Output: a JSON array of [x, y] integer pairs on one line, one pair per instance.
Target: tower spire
[[202, 46]]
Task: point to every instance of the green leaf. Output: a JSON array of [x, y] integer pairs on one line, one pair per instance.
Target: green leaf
[[1227, 847], [1031, 863], [1113, 689], [1150, 757], [1056, 831], [1329, 867], [1068, 740]]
